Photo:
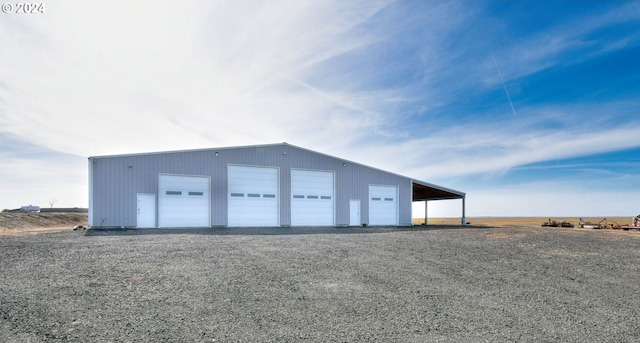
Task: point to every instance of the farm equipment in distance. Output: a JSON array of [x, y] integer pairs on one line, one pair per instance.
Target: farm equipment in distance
[[610, 224], [553, 223]]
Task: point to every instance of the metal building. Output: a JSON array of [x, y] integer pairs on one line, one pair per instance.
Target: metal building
[[264, 185]]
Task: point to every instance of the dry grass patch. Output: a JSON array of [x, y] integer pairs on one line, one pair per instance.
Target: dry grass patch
[[21, 223], [518, 221]]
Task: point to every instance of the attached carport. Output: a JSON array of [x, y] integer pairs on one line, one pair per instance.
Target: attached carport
[[424, 191]]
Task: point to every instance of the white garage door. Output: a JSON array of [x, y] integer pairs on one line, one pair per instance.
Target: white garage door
[[383, 205], [184, 201], [312, 198], [253, 196]]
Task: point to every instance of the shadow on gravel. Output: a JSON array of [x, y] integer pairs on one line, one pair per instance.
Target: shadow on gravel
[[270, 230]]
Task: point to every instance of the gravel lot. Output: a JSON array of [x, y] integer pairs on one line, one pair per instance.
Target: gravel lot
[[322, 285]]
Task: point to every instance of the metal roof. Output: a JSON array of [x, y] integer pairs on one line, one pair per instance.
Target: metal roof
[[423, 191]]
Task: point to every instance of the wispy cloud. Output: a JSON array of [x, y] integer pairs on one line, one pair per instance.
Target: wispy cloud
[[568, 42], [220, 69], [36, 175], [405, 86]]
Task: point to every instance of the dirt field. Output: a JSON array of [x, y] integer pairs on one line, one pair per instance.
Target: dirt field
[[20, 223], [421, 284]]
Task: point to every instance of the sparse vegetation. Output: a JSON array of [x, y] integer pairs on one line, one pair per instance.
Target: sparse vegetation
[[516, 221], [15, 222], [19, 221]]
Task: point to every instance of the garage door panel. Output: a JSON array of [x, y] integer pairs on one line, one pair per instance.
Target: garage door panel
[[253, 196], [307, 213], [184, 201], [312, 198], [383, 205]]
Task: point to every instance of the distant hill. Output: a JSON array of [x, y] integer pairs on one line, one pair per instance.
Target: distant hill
[[65, 210], [18, 220], [50, 210]]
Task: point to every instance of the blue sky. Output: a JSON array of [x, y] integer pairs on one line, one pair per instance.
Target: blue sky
[[532, 108]]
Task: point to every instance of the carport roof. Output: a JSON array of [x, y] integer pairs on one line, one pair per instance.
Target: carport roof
[[423, 191]]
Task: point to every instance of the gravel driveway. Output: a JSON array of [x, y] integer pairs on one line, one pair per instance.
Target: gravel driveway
[[322, 285]]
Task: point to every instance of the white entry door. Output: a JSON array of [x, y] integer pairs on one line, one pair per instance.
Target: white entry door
[[146, 210], [354, 213]]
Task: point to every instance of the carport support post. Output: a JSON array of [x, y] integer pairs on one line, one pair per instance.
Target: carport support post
[[425, 212], [464, 219]]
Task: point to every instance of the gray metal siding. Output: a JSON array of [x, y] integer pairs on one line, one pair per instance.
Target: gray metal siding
[[354, 182], [117, 180]]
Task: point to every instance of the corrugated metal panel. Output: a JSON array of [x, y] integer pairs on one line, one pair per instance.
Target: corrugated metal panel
[[116, 180]]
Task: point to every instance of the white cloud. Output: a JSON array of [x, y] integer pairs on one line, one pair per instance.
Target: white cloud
[[552, 199], [159, 76], [118, 77], [495, 147], [34, 176]]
